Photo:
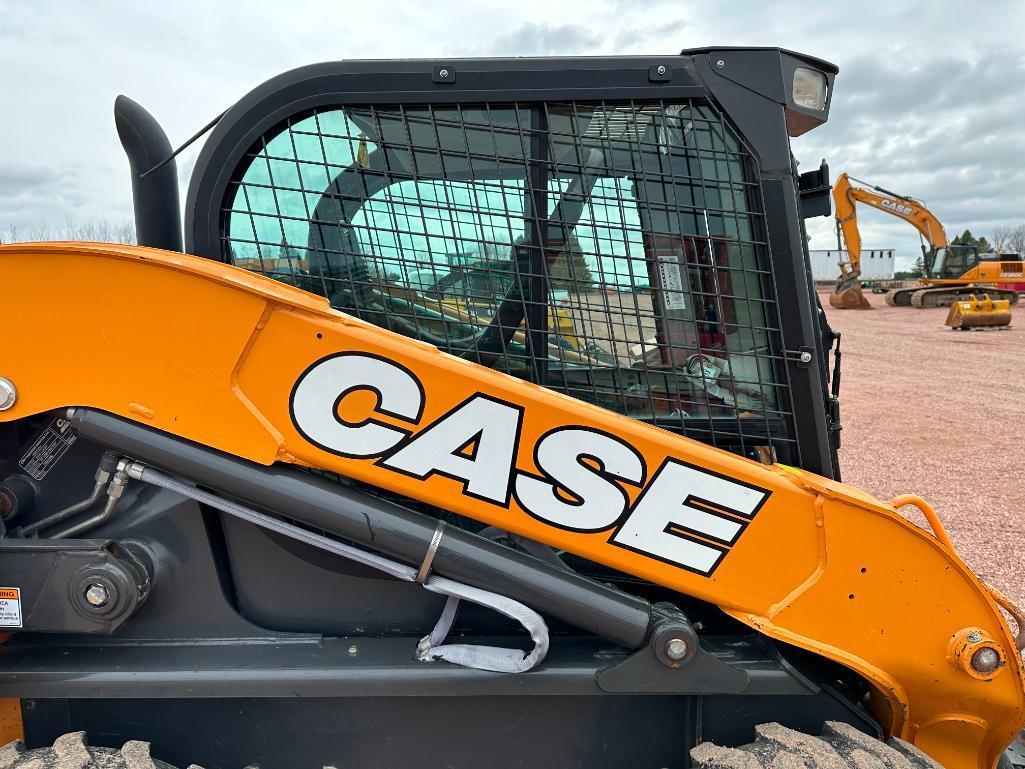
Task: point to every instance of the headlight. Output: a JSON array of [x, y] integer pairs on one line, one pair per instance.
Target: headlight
[[809, 89]]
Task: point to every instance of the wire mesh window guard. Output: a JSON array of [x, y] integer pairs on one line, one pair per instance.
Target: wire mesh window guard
[[614, 252]]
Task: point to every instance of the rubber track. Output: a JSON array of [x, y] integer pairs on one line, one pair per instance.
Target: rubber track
[[71, 752], [840, 746]]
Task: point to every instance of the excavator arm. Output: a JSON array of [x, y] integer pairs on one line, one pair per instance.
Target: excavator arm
[[846, 196], [211, 354]]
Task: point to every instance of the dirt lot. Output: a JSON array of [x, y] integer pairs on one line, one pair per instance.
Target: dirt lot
[[940, 413]]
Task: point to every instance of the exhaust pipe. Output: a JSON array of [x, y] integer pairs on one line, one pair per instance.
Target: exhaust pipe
[[155, 195]]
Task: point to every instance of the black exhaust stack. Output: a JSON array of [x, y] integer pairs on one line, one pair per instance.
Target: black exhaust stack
[[155, 195]]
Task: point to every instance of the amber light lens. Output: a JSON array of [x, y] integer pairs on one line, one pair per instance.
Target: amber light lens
[[809, 88]]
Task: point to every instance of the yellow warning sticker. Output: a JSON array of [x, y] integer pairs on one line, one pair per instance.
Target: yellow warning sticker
[[10, 607]]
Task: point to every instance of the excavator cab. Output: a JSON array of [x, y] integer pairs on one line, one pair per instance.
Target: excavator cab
[[949, 262]]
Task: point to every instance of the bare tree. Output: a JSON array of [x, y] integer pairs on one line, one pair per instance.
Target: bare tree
[[100, 230], [1010, 239]]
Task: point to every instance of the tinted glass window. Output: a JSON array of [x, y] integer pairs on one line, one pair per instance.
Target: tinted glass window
[[614, 252]]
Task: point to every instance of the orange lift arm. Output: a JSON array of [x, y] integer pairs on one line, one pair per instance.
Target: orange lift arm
[[261, 370], [846, 196]]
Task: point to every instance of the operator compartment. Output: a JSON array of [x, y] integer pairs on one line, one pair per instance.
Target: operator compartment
[[614, 252]]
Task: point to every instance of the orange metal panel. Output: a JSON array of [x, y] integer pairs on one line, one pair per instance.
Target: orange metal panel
[[212, 353]]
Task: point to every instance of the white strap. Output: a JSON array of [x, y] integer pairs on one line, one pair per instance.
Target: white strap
[[491, 658]]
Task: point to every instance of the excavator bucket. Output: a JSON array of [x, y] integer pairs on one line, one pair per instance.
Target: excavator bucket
[[848, 295], [850, 298], [979, 313]]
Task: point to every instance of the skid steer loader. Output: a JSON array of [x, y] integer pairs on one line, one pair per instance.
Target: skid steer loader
[[482, 417]]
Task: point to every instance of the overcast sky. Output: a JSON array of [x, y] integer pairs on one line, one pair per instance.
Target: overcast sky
[[930, 99]]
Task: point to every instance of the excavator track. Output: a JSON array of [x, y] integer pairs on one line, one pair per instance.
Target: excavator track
[[944, 296], [900, 297]]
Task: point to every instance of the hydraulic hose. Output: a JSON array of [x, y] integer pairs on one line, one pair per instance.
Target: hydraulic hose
[[383, 526]]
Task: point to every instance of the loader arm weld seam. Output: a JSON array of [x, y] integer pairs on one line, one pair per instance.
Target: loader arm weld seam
[[820, 567], [268, 310]]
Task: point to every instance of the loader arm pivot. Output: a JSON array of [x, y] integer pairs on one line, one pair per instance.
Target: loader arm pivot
[[260, 370]]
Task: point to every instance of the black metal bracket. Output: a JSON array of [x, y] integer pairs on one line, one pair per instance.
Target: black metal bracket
[[643, 671], [660, 73], [814, 189], [76, 586], [676, 661], [672, 662], [443, 73]]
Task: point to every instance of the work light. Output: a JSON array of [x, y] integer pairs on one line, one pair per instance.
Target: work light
[[809, 88]]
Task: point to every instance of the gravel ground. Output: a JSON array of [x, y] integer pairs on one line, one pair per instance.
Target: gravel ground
[[939, 413]]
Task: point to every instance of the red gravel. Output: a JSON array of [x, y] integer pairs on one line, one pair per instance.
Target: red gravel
[[939, 413]]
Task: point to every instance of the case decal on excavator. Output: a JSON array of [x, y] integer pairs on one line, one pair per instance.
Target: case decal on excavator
[[897, 208], [684, 515]]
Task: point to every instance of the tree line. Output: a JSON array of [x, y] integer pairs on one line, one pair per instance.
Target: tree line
[[1005, 239], [96, 231]]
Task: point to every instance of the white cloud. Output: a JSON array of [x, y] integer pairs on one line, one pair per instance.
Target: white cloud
[[928, 100]]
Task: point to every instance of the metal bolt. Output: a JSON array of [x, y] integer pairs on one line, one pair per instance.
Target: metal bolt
[[661, 69], [720, 64], [8, 394], [676, 649], [974, 636], [443, 73], [985, 660], [806, 357], [97, 595], [353, 649]]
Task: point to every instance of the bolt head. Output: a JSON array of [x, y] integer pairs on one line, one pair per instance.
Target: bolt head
[[720, 64], [8, 394], [676, 649], [443, 73], [661, 69], [985, 660], [805, 357], [974, 637], [97, 595]]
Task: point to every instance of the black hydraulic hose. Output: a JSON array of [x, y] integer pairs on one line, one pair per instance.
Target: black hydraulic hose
[[382, 526]]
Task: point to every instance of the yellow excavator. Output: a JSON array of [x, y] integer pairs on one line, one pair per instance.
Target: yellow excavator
[[953, 274]]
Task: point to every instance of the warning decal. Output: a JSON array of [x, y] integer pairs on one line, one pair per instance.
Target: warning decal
[[10, 607], [48, 448], [672, 283]]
